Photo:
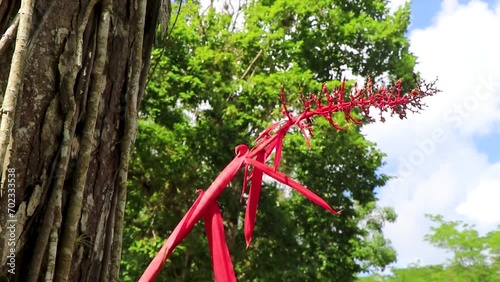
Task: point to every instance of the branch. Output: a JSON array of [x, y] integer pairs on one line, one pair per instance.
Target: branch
[[251, 64], [15, 78], [128, 139], [75, 201], [8, 35], [52, 256]]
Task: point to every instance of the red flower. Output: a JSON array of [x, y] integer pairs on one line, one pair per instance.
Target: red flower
[[271, 140]]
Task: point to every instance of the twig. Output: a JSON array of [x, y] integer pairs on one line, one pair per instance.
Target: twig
[[157, 62], [235, 17], [251, 64]]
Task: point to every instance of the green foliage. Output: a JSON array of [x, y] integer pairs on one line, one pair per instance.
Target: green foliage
[[326, 37], [474, 258], [472, 253], [216, 87], [345, 176]]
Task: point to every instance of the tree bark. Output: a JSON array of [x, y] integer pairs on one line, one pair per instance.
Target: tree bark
[[72, 77]]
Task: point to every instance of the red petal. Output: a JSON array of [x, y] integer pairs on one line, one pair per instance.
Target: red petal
[[279, 149], [267, 131], [253, 199], [194, 215], [270, 148], [157, 263], [221, 259], [245, 179], [293, 184]]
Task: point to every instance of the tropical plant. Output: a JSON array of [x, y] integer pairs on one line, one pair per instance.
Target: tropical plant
[[269, 141]]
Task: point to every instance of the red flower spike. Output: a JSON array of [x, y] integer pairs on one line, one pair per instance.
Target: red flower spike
[[253, 199], [272, 139], [292, 184], [332, 123], [305, 102], [340, 92], [221, 259], [283, 102], [325, 90]]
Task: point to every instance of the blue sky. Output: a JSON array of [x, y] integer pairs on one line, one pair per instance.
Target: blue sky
[[489, 145], [446, 160], [424, 11]]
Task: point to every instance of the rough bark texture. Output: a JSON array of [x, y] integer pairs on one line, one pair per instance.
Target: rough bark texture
[[84, 74]]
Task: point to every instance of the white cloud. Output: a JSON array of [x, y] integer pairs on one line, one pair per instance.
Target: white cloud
[[448, 6], [439, 169], [394, 5], [481, 203]]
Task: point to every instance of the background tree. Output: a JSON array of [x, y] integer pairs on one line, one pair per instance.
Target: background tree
[[474, 257], [217, 86], [74, 73]]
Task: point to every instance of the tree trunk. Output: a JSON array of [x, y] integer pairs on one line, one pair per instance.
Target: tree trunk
[[74, 73]]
